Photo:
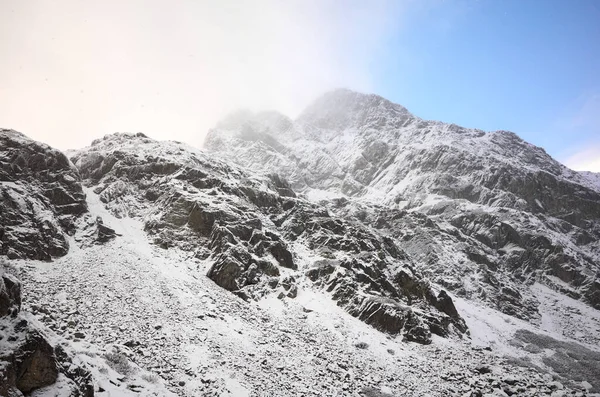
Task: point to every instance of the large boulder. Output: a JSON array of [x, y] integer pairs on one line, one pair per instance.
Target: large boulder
[[30, 361], [10, 295]]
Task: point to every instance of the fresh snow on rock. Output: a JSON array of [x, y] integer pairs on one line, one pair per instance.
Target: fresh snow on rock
[[205, 341], [355, 251], [482, 191], [593, 179]]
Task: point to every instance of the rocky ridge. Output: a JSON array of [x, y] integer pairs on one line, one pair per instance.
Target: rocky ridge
[[40, 198], [483, 214], [42, 208], [260, 236]]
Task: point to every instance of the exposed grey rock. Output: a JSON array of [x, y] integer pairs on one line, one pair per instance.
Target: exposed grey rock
[[10, 295], [516, 213], [103, 232], [246, 225], [29, 361], [40, 198]]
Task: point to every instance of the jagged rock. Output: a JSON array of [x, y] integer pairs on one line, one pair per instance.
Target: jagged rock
[[30, 361], [226, 272], [282, 255], [103, 232], [40, 198], [289, 286], [366, 286], [247, 226], [517, 214], [83, 382], [205, 206], [10, 295], [35, 363], [444, 304]]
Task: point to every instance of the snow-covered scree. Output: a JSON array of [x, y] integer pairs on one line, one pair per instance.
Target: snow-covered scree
[[35, 361], [161, 312]]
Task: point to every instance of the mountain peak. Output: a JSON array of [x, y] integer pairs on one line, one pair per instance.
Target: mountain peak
[[344, 108], [119, 136], [244, 117]]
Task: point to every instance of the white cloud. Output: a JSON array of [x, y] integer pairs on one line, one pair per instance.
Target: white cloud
[[580, 128], [75, 70], [587, 159]]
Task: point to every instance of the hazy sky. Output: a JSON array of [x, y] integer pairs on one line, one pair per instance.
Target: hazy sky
[[75, 70]]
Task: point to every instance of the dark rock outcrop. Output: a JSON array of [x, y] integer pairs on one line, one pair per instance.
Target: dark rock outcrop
[[40, 198], [10, 295], [362, 275], [29, 361], [103, 232], [195, 203]]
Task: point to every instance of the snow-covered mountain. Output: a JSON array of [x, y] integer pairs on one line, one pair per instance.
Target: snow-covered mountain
[[483, 213], [355, 251], [593, 179]]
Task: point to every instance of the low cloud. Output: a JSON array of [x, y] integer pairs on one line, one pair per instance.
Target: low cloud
[[581, 129], [587, 159], [75, 70]]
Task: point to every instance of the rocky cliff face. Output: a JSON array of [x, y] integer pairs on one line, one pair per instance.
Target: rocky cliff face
[[483, 214], [40, 198], [42, 206], [260, 237]]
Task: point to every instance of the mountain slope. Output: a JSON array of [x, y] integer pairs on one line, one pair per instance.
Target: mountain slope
[[225, 282], [261, 238], [42, 206], [160, 310], [502, 213], [40, 198]]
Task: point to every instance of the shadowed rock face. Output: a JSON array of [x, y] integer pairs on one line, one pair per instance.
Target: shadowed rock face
[[255, 231], [31, 361], [10, 295], [370, 276], [496, 211], [40, 198]]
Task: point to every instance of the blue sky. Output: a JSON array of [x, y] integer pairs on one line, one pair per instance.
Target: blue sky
[[532, 67], [77, 70]]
